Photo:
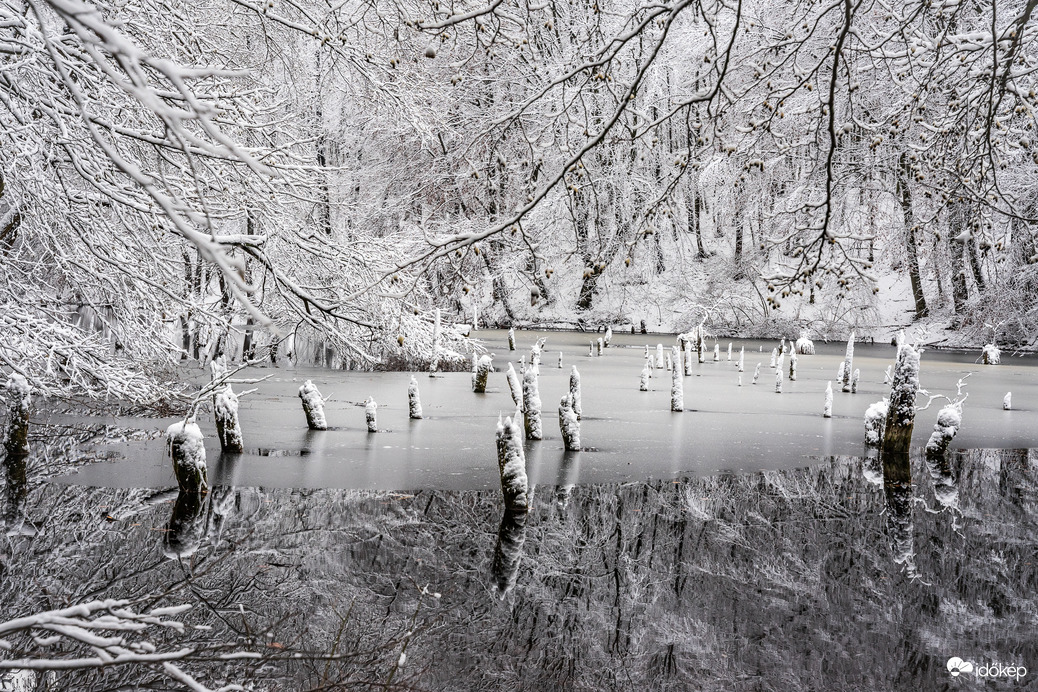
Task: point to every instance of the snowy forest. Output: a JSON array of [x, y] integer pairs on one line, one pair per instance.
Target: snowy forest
[[308, 179]]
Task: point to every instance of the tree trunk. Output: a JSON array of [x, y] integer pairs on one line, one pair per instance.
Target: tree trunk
[[904, 192]]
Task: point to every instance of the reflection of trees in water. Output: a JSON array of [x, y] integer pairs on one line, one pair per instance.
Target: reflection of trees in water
[[781, 580], [509, 550]]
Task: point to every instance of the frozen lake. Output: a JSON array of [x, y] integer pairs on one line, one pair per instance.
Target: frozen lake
[[628, 434], [743, 544]]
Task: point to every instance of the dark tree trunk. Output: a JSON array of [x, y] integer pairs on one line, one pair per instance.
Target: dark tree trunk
[[904, 192]]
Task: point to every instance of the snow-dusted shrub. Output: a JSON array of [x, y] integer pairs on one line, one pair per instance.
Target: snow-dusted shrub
[[225, 412], [511, 463], [313, 406], [414, 401], [991, 355], [875, 422], [187, 450], [677, 394], [532, 404], [805, 346], [568, 424]]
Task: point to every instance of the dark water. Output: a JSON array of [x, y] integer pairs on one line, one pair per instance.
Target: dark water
[[812, 578]]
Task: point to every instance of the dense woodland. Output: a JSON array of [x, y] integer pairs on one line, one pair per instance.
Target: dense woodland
[[271, 178]]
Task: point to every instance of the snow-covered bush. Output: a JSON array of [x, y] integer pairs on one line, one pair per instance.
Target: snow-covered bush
[[991, 355], [805, 346]]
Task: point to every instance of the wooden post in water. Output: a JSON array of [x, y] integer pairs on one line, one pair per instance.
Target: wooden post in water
[[370, 412], [574, 391], [414, 401], [531, 404], [677, 388]]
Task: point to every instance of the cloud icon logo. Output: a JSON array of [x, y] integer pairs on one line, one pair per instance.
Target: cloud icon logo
[[956, 666]]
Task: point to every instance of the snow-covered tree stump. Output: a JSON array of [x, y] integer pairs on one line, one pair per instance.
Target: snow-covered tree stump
[[560, 360], [686, 359], [848, 363], [532, 405], [742, 359], [225, 412], [574, 391], [1007, 402], [511, 463], [780, 364], [991, 355], [370, 414], [949, 419], [827, 409], [18, 395], [601, 345], [670, 363], [608, 336], [700, 344], [644, 386], [854, 380], [514, 387], [659, 356], [888, 374], [805, 346], [897, 435], [793, 366], [729, 351], [187, 450], [677, 390], [313, 406], [568, 424], [717, 353], [414, 401], [756, 374], [483, 367], [774, 358], [778, 381], [875, 422], [511, 339]]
